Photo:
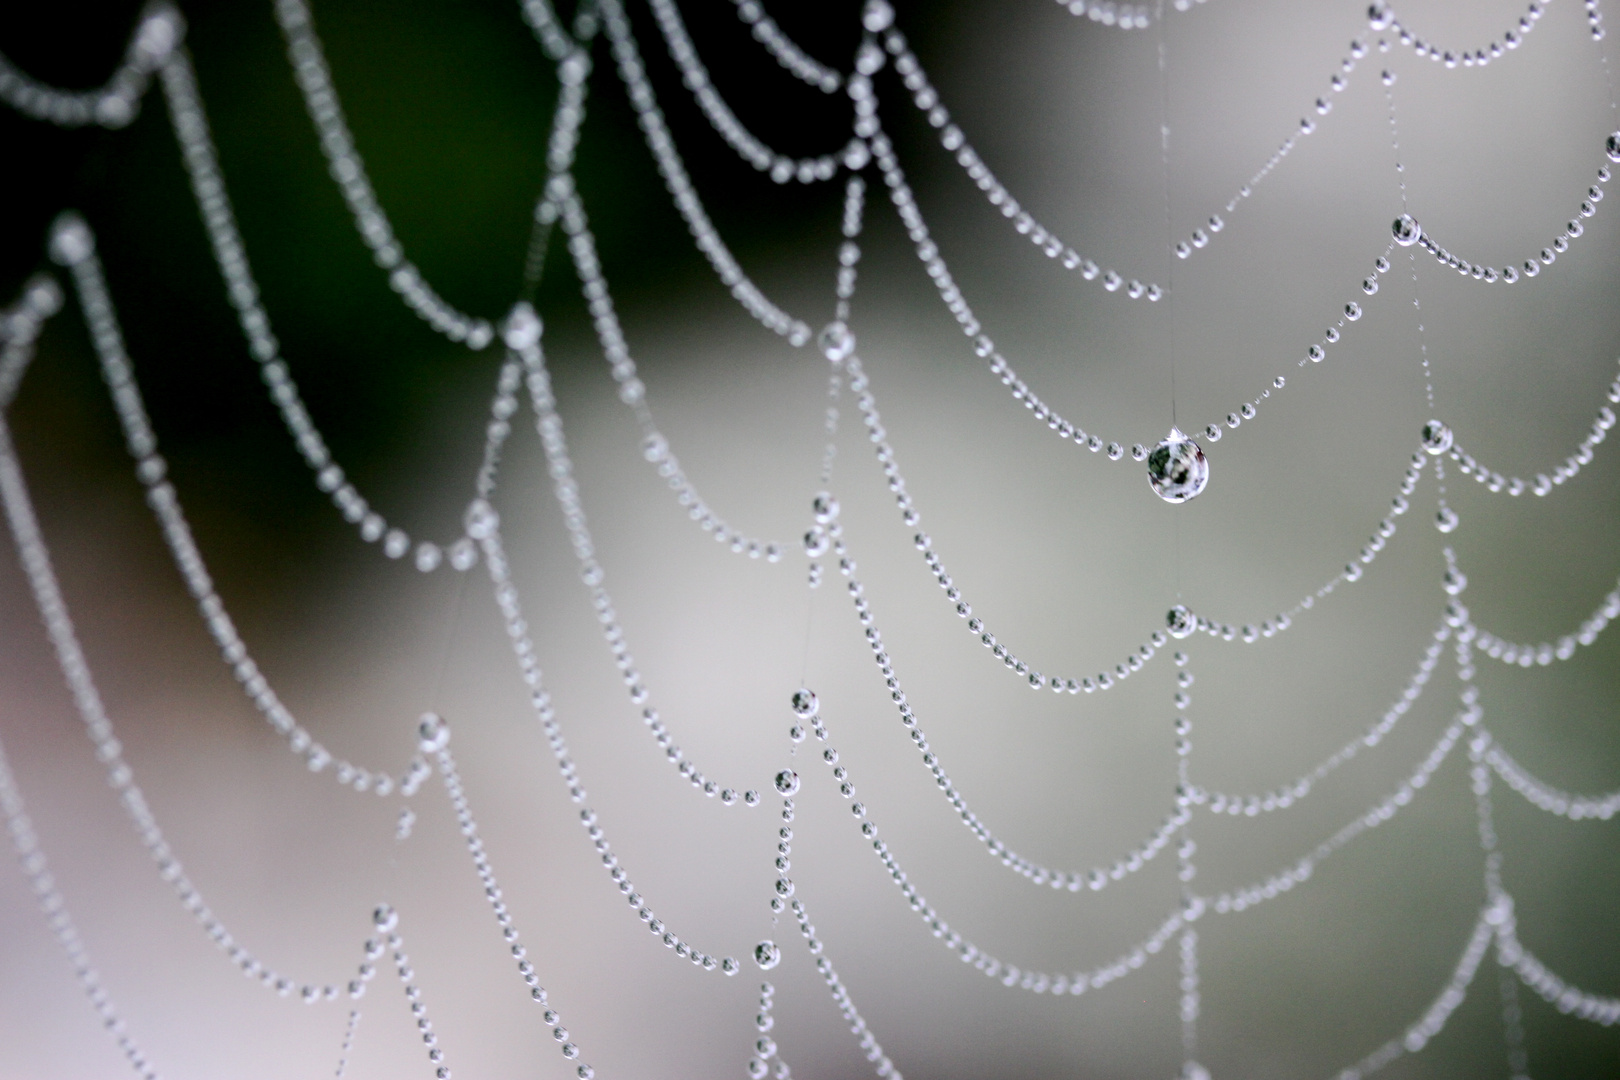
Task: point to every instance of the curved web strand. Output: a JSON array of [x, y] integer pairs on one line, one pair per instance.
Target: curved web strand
[[655, 446], [1546, 652], [73, 243], [866, 402], [565, 488], [840, 995], [1434, 1018], [1567, 999], [1291, 793], [1509, 274], [54, 907], [927, 100], [927, 252], [548, 29], [314, 78], [1543, 483], [36, 562], [116, 102], [436, 740], [1009, 975], [679, 184], [1381, 18], [208, 185], [748, 146], [1236, 900], [20, 325], [484, 525], [800, 64], [1543, 795], [1073, 880]]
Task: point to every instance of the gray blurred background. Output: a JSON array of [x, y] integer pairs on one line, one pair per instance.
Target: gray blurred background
[[1069, 558]]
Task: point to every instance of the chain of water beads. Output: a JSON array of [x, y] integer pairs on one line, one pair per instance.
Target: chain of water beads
[[1544, 653], [927, 251], [1121, 16], [1241, 899], [1380, 18], [679, 185], [747, 145], [1288, 794], [566, 490], [548, 30], [192, 131], [202, 165], [767, 954], [484, 525], [73, 244], [1008, 974], [52, 904], [36, 560], [1543, 483], [314, 78], [1507, 985], [1509, 952], [347, 1047], [435, 740], [1567, 999], [1416, 1037], [1186, 871], [926, 99], [20, 324], [795, 60], [840, 995], [1096, 878], [817, 540], [1532, 266], [765, 1047], [655, 446], [387, 922], [116, 102], [1542, 795]]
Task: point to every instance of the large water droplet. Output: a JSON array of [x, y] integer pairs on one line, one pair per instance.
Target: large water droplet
[[805, 703], [1612, 146], [1436, 437], [877, 16], [767, 955], [1180, 622], [836, 341], [71, 239], [787, 782], [1446, 520], [522, 330], [1407, 231], [825, 507], [1177, 468]]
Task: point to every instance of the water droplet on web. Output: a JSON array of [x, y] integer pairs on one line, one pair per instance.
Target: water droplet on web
[[1407, 231], [1436, 437], [805, 703], [1177, 468], [836, 341]]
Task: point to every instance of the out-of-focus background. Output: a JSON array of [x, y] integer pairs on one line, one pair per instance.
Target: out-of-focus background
[[1069, 558]]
